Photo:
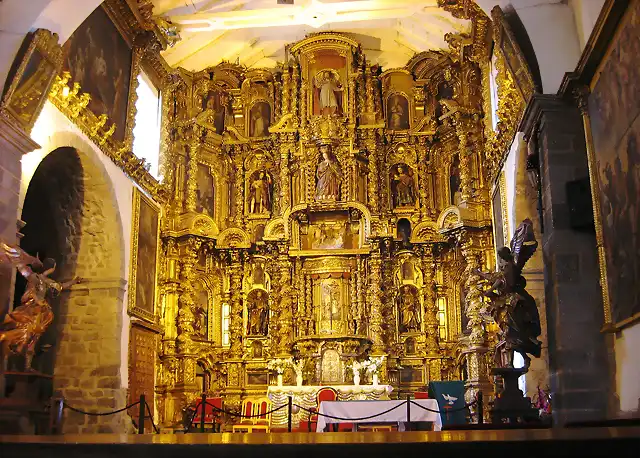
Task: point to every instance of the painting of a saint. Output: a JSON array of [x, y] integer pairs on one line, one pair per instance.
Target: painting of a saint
[[398, 112], [327, 83], [201, 312], [204, 191], [330, 306], [614, 108], [100, 60], [403, 186], [146, 237], [329, 177], [408, 306], [260, 193], [260, 120]]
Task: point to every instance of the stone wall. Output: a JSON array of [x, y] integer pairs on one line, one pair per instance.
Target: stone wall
[[580, 375]]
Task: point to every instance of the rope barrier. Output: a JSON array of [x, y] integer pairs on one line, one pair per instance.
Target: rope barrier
[[195, 412], [233, 414], [466, 406], [350, 419], [151, 417], [100, 414]]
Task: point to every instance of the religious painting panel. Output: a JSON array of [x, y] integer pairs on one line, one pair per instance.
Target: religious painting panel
[[455, 188], [201, 311], [257, 378], [403, 186], [408, 309], [614, 108], [144, 256], [259, 119], [410, 375], [329, 74], [259, 200], [38, 61], [330, 294], [205, 191], [331, 231], [397, 112], [100, 60], [257, 313]]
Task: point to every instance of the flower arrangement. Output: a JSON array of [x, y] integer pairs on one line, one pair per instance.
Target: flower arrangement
[[356, 367], [279, 365], [373, 364], [297, 366]]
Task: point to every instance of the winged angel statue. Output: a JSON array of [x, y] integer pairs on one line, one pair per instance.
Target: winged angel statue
[[23, 326], [510, 305]]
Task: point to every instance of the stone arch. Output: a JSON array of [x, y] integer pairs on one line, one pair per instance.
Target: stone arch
[[88, 324]]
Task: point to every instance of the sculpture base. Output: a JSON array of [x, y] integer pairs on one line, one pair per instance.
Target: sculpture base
[[23, 409], [511, 404]]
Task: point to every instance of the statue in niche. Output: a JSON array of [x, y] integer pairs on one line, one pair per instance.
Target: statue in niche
[[407, 270], [257, 322], [409, 315], [200, 316], [403, 186], [258, 274], [445, 92], [260, 194], [330, 90], [260, 120], [204, 191], [216, 111], [454, 182], [329, 177], [398, 113]]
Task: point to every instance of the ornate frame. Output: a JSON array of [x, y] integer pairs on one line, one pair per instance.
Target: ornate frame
[[133, 308], [45, 44]]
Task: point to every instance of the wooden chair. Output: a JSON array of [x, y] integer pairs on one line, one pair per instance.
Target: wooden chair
[[324, 394], [259, 409]]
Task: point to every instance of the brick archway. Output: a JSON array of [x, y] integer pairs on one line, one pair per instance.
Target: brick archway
[[74, 187]]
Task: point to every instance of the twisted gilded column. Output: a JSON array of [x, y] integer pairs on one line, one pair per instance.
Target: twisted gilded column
[[286, 88], [285, 182], [192, 172], [466, 177], [430, 307], [375, 299], [238, 191], [373, 184], [235, 299], [286, 305], [295, 80], [476, 343]]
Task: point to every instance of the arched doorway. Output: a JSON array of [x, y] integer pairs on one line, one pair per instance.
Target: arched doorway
[[72, 216]]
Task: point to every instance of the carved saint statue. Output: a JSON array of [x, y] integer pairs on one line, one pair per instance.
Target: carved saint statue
[[511, 306], [409, 315], [260, 120], [22, 328], [398, 118], [403, 187], [329, 177], [327, 82], [260, 194], [257, 322]]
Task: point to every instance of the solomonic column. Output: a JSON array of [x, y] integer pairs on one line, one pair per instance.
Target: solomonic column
[[374, 299], [235, 287]]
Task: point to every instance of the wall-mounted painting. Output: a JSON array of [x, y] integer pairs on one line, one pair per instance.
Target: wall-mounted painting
[[205, 191], [100, 60], [614, 108], [397, 112], [144, 256], [38, 61]]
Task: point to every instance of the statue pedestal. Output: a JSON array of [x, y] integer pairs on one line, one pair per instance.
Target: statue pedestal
[[511, 404], [24, 409]]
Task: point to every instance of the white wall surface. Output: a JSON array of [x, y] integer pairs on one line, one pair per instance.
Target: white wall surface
[[628, 368]]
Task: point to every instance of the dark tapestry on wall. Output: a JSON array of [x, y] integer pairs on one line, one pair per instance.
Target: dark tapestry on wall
[[614, 107], [99, 59]]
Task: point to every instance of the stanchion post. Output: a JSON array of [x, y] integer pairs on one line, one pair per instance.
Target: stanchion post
[[480, 408], [289, 414], [57, 408], [408, 413], [141, 412], [203, 403]]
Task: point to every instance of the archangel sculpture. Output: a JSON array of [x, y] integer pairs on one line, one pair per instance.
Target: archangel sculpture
[[22, 328], [510, 305]]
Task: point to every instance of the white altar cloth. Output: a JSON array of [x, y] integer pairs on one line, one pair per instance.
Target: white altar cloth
[[305, 396], [359, 409]]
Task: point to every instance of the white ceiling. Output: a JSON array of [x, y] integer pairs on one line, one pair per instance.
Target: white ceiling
[[255, 32]]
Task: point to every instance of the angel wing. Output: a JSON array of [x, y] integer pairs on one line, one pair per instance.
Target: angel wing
[[11, 254], [523, 244]]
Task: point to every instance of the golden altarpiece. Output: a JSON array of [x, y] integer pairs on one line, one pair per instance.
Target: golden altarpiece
[[325, 209]]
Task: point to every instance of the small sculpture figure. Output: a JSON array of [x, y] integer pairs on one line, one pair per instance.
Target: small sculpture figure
[[329, 177], [260, 195], [260, 120], [327, 82], [398, 119], [408, 311], [402, 186], [257, 322], [22, 328], [511, 306]]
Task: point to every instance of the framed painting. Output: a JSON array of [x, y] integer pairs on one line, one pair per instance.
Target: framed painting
[[39, 61], [144, 257], [614, 110], [101, 61]]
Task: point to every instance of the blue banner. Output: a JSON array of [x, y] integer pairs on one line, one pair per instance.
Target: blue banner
[[450, 397]]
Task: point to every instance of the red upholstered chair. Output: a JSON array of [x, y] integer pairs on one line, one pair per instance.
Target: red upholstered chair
[[421, 395], [324, 394], [211, 415]]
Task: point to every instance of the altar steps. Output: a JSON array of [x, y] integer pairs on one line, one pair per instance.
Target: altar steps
[[583, 443]]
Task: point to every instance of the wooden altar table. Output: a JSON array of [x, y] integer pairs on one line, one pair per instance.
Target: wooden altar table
[[305, 396], [358, 409]]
